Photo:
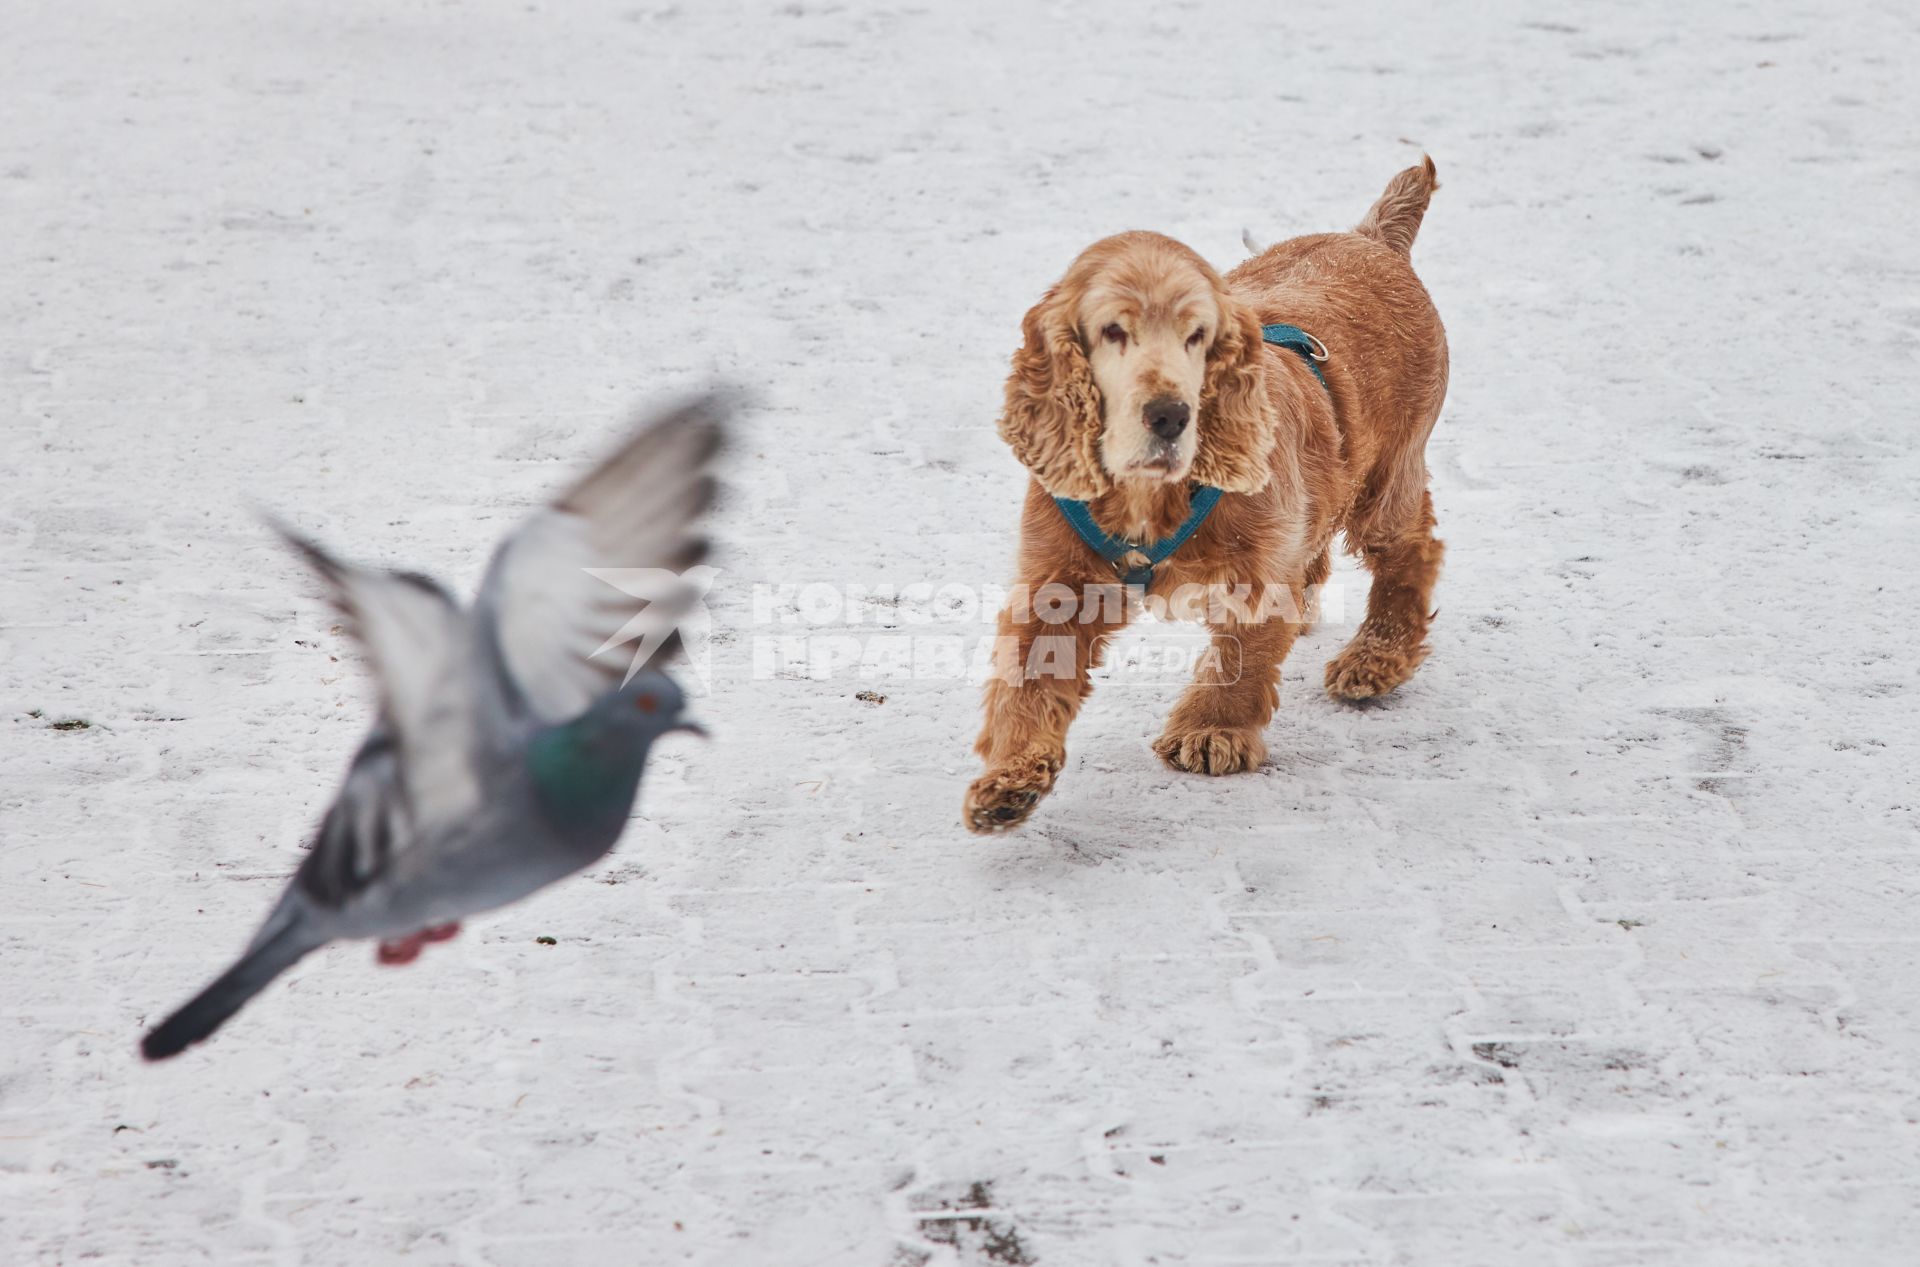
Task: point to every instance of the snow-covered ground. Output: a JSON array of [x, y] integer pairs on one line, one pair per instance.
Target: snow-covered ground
[[1596, 945]]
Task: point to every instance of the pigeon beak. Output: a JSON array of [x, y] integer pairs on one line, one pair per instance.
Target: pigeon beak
[[691, 727]]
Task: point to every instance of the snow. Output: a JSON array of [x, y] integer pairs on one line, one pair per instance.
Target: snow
[[1593, 946]]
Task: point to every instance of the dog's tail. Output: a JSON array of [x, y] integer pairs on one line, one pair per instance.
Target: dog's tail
[[1396, 217]]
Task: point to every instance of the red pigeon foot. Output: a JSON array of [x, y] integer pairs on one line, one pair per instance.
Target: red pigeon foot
[[399, 950]]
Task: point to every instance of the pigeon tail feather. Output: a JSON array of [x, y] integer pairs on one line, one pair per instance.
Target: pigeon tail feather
[[213, 1006]]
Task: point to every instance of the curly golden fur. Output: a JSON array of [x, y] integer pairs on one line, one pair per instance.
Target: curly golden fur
[[1142, 375], [1236, 452], [1052, 417]]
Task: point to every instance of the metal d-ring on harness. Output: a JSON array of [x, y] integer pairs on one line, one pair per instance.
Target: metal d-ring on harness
[[1205, 497], [1294, 339]]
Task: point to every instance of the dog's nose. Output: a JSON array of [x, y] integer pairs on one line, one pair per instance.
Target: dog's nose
[[1167, 417]]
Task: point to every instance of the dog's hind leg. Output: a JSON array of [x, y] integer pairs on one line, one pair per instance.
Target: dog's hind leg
[[1404, 557], [1317, 573]]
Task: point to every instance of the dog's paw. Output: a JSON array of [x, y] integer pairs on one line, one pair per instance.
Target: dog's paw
[[1222, 750], [1368, 668], [1003, 797]]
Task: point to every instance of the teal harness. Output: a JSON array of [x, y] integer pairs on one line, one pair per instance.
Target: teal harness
[[1205, 498]]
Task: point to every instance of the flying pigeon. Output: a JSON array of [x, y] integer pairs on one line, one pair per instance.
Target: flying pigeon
[[507, 752]]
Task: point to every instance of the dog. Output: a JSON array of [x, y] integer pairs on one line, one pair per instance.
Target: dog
[[1143, 381]]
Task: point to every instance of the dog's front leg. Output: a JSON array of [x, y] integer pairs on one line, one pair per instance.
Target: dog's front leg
[[1041, 666], [1217, 726]]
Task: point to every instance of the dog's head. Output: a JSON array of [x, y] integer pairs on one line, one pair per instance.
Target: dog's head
[[1139, 366]]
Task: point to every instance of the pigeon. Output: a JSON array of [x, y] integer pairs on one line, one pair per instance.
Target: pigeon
[[507, 752]]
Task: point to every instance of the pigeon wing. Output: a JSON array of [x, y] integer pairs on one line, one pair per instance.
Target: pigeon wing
[[604, 565], [417, 638], [365, 827]]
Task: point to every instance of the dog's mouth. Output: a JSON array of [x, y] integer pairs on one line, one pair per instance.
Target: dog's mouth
[[1162, 462]]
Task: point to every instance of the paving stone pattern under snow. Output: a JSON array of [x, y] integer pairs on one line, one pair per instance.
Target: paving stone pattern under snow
[[1593, 946]]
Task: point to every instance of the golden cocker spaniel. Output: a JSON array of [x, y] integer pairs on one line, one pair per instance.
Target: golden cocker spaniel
[[1144, 377]]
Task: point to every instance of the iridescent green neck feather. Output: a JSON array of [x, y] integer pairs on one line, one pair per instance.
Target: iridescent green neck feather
[[584, 775]]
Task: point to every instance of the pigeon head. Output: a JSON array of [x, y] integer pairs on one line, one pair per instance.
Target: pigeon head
[[626, 720], [650, 705]]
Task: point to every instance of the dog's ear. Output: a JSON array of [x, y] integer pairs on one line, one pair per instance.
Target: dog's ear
[[1237, 421], [1052, 415]]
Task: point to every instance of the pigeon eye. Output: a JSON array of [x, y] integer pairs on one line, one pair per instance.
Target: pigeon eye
[[1114, 334], [646, 703]]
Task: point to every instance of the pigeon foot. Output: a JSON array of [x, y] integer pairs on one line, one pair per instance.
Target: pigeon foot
[[394, 951]]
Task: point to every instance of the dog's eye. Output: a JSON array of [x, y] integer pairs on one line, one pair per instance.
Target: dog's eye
[[1114, 334], [1193, 340]]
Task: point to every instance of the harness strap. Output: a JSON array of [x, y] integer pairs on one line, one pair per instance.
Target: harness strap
[[1114, 550]]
